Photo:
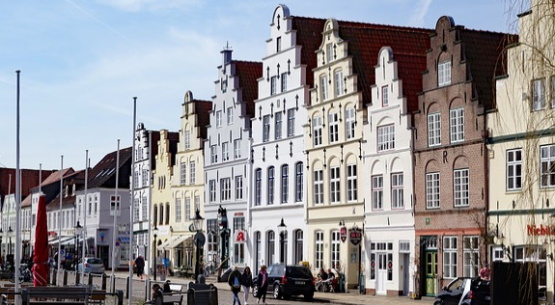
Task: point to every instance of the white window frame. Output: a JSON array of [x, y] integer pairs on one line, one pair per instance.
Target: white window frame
[[335, 253], [192, 173], [237, 148], [258, 186], [187, 208], [471, 256], [538, 94], [284, 183], [329, 52], [444, 73], [277, 125], [271, 184], [432, 190], [377, 192], [461, 187], [183, 176], [317, 130], [338, 82], [290, 122], [352, 187], [219, 118], [225, 189], [178, 212], [229, 115], [212, 190], [238, 187], [456, 118], [319, 249], [273, 85], [324, 87], [450, 254], [299, 182], [434, 129], [350, 121], [333, 127], [514, 169], [318, 186], [225, 151], [386, 137], [397, 191], [547, 166], [213, 154], [283, 82], [187, 139], [266, 128], [385, 96], [335, 184]]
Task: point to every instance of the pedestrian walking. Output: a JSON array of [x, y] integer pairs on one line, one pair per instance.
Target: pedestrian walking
[[262, 283], [140, 264], [235, 284], [246, 280]]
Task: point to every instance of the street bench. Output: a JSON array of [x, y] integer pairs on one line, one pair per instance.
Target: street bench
[[202, 294], [66, 295], [173, 299]]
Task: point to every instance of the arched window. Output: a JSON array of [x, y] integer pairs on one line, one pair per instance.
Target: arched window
[[270, 247], [167, 213], [298, 246]]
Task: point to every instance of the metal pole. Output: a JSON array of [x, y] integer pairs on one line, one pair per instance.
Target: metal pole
[[149, 209], [154, 257], [17, 199], [8, 221], [84, 207], [60, 218], [115, 211], [132, 199]]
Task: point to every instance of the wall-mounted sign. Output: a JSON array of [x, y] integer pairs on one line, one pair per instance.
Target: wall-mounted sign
[[343, 233], [240, 236], [540, 230], [355, 235]]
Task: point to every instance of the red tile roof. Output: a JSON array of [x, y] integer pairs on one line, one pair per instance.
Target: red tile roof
[[248, 73], [202, 111], [309, 36]]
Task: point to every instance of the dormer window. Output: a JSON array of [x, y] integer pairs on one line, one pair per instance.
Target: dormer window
[[444, 73]]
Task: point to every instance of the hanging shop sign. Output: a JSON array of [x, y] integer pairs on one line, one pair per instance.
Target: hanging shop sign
[[355, 235], [240, 236]]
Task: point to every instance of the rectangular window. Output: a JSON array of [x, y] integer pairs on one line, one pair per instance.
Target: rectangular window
[[278, 44], [237, 148], [273, 85], [338, 82], [397, 200], [434, 129], [271, 183], [213, 154], [225, 151], [386, 137], [350, 123], [461, 187], [547, 160], [178, 210], [145, 207], [299, 182], [283, 82], [450, 257], [197, 203], [229, 115], [457, 125], [319, 249], [385, 96], [432, 190], [284, 183], [377, 192], [335, 190], [538, 94], [258, 186], [212, 190], [187, 139], [183, 176], [290, 122], [225, 189], [324, 87], [352, 192], [444, 73], [277, 124], [266, 128], [144, 177], [334, 127], [192, 173], [329, 52], [335, 249], [318, 186], [471, 258], [187, 209], [219, 118], [552, 91], [317, 130], [514, 169], [238, 187]]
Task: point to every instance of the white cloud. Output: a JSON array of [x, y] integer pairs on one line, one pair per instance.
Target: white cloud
[[150, 5], [418, 19]]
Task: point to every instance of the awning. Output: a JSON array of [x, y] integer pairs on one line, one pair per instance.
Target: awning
[[123, 239], [174, 243], [65, 240]]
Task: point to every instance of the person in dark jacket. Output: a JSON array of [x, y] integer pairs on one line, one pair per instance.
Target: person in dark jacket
[[140, 264], [246, 281], [262, 283], [157, 296], [234, 282]]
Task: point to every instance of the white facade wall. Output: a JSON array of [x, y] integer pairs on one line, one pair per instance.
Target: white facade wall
[[390, 223], [142, 196], [237, 128], [282, 149]]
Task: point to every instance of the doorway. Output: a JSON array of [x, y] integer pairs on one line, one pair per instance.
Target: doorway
[[431, 272], [382, 273], [405, 272], [104, 255]]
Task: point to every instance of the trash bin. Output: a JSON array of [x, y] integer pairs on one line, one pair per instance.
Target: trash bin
[[341, 282]]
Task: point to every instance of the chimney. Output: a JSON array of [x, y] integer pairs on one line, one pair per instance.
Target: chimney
[[226, 52]]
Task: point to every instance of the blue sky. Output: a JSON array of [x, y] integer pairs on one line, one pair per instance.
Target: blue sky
[[83, 61]]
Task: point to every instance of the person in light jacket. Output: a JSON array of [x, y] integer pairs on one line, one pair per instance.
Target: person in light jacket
[[246, 279]]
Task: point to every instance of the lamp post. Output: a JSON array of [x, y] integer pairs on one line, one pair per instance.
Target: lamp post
[[78, 229], [200, 239], [282, 229], [154, 260], [224, 234]]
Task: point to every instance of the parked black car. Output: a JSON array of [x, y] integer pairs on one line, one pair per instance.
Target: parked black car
[[479, 294], [288, 280]]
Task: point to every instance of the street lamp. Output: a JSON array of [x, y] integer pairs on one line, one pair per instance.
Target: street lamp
[[78, 231], [282, 229], [200, 239], [224, 235], [155, 234]]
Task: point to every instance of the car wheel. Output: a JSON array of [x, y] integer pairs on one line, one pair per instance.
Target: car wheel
[[438, 302], [277, 292], [309, 296], [286, 296], [255, 291]]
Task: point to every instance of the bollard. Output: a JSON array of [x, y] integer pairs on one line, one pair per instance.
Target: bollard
[[113, 283], [76, 277], [104, 281], [147, 288], [54, 277], [65, 278], [127, 288], [90, 280], [119, 294]]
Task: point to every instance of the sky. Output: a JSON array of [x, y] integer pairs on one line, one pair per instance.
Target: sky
[[83, 61]]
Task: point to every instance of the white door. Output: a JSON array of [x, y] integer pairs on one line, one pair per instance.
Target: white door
[[382, 273]]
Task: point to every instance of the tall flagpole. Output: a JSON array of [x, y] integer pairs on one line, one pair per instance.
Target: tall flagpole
[[132, 200], [84, 206], [60, 219], [115, 211], [17, 197]]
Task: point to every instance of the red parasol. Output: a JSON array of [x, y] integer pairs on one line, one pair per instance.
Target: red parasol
[[40, 266]]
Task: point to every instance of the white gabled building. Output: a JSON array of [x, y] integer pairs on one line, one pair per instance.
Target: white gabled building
[[226, 163], [278, 188], [389, 221]]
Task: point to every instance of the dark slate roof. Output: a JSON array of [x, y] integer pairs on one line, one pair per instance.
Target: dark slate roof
[[155, 135], [173, 138], [485, 53], [248, 73], [202, 111], [409, 47], [77, 177], [103, 174]]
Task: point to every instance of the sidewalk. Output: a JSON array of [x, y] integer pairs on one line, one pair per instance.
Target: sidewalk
[[349, 298]]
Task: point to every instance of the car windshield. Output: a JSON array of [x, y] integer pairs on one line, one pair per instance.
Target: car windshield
[[296, 271], [94, 261]]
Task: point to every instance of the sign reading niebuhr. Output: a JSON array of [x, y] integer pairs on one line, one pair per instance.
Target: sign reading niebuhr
[[355, 236]]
